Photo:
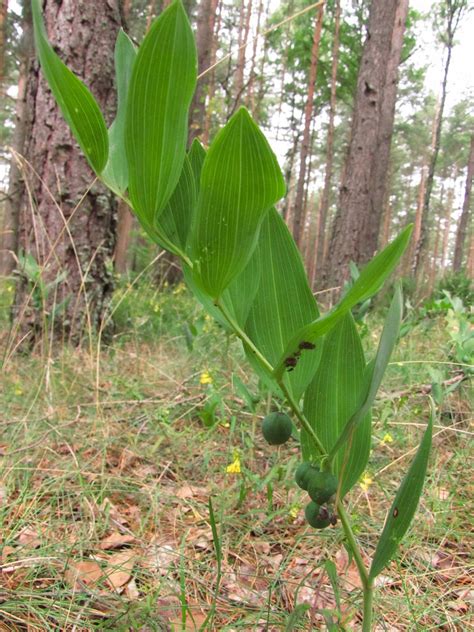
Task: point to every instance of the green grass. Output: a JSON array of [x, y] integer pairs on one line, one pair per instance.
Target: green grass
[[118, 447]]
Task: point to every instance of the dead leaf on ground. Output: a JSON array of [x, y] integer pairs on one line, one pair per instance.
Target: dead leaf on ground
[[348, 573], [116, 540], [192, 491], [86, 572], [29, 537], [119, 569], [160, 557]]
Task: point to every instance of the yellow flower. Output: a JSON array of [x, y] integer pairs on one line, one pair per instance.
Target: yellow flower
[[234, 467], [366, 481], [206, 378], [18, 391], [294, 511], [387, 438]]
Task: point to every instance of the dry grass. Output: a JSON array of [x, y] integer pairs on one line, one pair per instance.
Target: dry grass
[[105, 477]]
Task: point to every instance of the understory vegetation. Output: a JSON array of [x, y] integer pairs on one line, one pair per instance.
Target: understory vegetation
[[109, 455]]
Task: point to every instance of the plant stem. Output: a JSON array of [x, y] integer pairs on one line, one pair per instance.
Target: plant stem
[[268, 367], [367, 584], [368, 596]]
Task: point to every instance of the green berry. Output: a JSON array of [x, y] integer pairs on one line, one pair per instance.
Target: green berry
[[277, 428], [322, 486], [303, 474], [317, 517]]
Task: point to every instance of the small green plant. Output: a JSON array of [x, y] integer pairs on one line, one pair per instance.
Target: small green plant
[[215, 210]]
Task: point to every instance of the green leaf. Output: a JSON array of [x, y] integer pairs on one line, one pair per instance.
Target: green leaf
[[78, 106], [284, 301], [156, 125], [240, 181], [236, 299], [197, 155], [376, 369], [331, 399], [404, 506], [115, 174], [173, 226], [368, 283]]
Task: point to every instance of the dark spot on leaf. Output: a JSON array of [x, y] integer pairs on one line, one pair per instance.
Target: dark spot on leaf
[[395, 512], [306, 345], [291, 361]]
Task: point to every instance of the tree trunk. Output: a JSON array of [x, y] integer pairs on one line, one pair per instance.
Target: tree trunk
[[324, 207], [251, 83], [204, 41], [447, 226], [9, 234], [211, 75], [464, 221], [3, 40], [357, 223], [244, 28], [298, 211], [454, 11], [67, 219]]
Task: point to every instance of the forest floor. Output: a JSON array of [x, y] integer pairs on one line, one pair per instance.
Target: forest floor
[[109, 457]]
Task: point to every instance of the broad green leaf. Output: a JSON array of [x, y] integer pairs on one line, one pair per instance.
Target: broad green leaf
[[368, 283], [197, 155], [236, 300], [173, 225], [156, 125], [77, 104], [284, 302], [240, 181], [116, 172], [332, 397], [376, 369], [404, 506]]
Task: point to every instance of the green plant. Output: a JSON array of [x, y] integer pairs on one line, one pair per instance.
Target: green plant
[[215, 211]]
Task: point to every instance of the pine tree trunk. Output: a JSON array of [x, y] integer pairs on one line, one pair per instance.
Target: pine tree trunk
[[447, 226], [67, 219], [244, 28], [299, 211], [324, 207], [3, 40], [466, 213], [356, 227], [9, 228], [454, 11], [204, 42]]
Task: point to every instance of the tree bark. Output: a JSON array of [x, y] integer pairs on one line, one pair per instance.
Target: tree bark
[[324, 207], [357, 223], [204, 42], [3, 40], [466, 212], [454, 11], [298, 211], [9, 234], [447, 226], [67, 219]]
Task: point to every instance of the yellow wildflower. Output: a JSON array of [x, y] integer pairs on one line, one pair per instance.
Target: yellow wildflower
[[294, 511], [234, 467], [205, 378], [18, 391], [387, 438], [366, 481]]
